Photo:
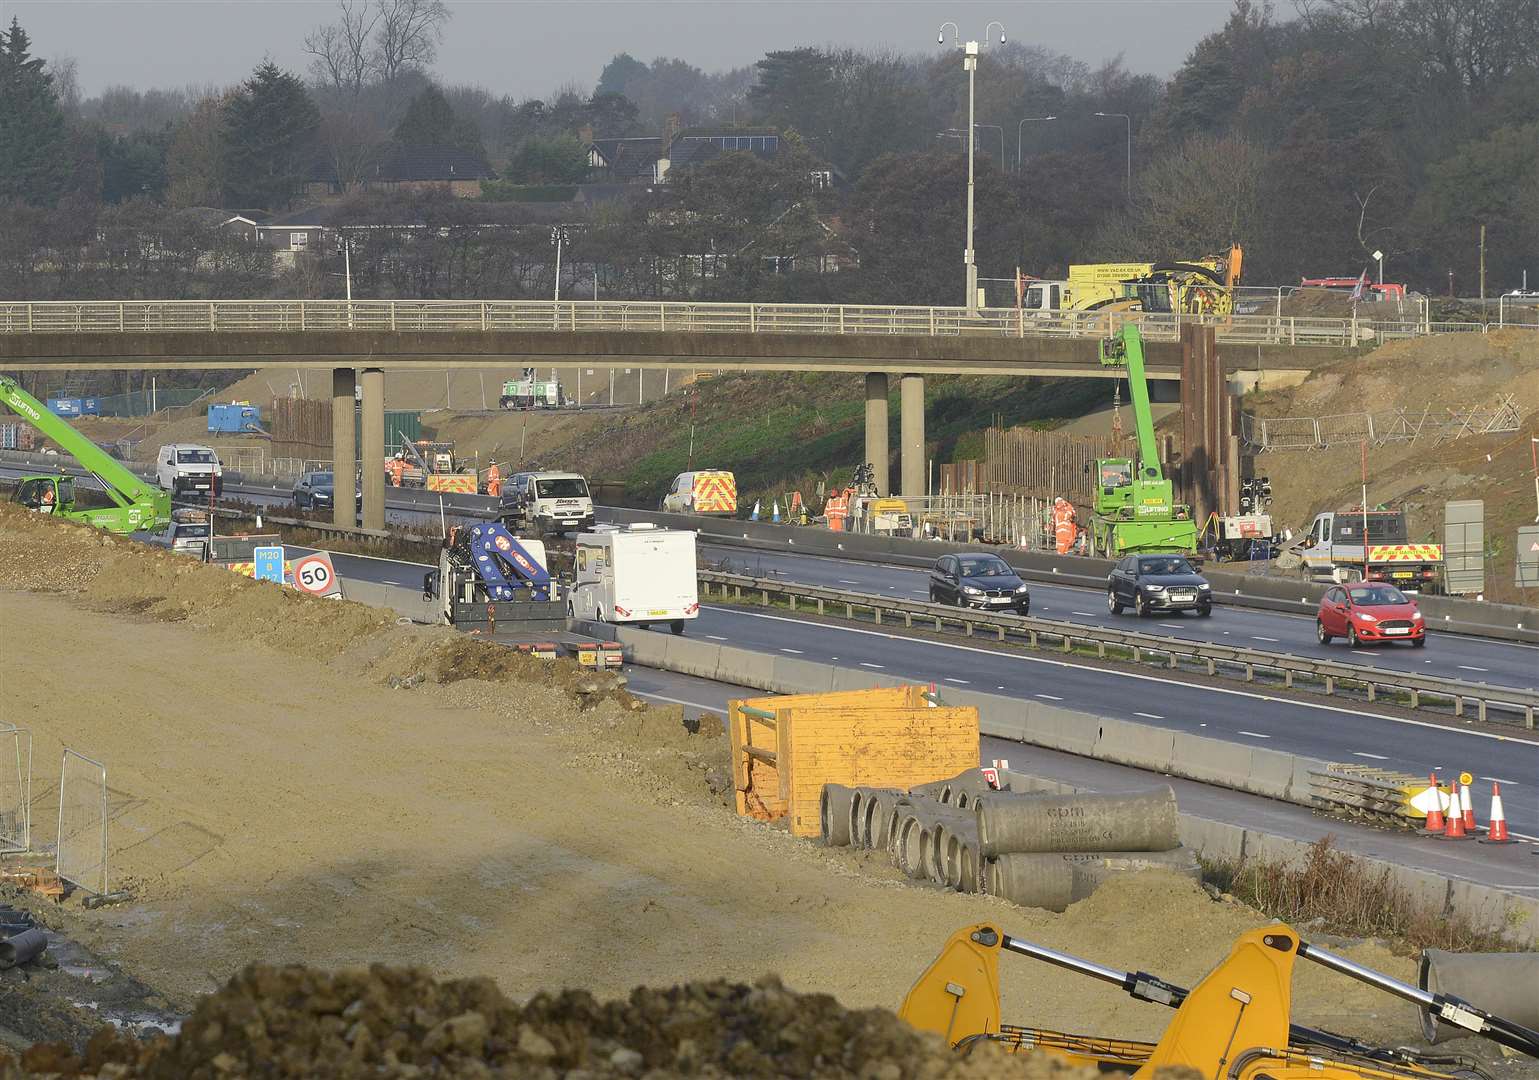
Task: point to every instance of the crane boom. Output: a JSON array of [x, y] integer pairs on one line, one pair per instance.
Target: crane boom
[[1127, 351]]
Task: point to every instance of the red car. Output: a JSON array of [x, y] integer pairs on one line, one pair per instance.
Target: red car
[[1369, 611]]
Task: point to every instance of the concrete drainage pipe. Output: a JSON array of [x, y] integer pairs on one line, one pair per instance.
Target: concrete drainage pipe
[[1054, 880], [878, 812], [959, 790], [913, 821], [1135, 821], [1505, 984], [959, 856], [24, 947], [834, 813]]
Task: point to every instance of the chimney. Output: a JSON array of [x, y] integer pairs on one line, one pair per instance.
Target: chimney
[[670, 129], [585, 133]]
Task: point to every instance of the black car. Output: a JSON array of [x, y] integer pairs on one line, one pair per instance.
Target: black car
[[978, 580], [1150, 583], [313, 491]]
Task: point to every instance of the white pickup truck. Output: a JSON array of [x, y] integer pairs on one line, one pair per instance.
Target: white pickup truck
[[1334, 551]]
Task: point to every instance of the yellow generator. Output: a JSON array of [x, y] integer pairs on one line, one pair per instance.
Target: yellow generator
[[1233, 1025]]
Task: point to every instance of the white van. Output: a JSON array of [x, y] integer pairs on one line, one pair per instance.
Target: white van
[[188, 468], [546, 503], [638, 574]]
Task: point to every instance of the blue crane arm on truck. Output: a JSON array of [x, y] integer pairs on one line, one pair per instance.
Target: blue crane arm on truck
[[136, 503], [494, 551]]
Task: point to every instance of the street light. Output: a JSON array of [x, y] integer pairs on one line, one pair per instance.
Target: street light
[[970, 51], [1019, 132], [1129, 119]]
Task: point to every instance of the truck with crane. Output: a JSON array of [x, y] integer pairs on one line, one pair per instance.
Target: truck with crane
[[1135, 509], [136, 504], [1189, 287]]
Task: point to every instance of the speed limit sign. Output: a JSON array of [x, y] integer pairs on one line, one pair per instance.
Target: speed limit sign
[[315, 575]]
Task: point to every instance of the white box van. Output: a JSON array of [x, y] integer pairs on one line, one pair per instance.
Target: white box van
[[638, 574], [546, 503], [190, 468]]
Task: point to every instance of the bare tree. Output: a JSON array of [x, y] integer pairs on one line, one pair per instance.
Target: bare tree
[[407, 34], [340, 52], [66, 83]]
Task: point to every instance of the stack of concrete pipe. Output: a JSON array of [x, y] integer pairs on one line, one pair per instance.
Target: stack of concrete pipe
[[1034, 850]]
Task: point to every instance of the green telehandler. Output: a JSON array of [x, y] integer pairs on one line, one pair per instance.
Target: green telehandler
[[137, 504], [1135, 509]]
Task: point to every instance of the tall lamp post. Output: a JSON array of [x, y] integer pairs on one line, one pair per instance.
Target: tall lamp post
[[1129, 119], [1020, 133], [970, 51]]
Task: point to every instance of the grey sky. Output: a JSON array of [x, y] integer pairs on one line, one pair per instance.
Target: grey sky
[[529, 47]]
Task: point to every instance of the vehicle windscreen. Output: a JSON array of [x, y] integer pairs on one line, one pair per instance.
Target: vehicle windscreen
[[1116, 473], [1376, 595], [195, 457], [191, 531], [986, 567], [573, 487], [1172, 565], [321, 479]]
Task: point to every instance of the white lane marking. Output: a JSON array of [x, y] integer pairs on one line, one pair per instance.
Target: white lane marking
[[793, 652], [847, 581], [1049, 697], [1086, 614], [1375, 757], [677, 701], [1254, 734], [1499, 780], [392, 583], [1149, 715], [1131, 675], [1469, 667], [716, 637], [877, 666], [1258, 637], [959, 682], [999, 688], [1172, 625]]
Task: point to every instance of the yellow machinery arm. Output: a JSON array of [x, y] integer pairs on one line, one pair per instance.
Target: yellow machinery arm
[[1233, 1024]]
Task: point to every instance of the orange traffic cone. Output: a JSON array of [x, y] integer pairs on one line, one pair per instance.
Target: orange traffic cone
[[1467, 807], [1498, 830], [1455, 830], [1435, 822]]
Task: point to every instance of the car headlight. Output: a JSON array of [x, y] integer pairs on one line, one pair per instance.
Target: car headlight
[[1021, 588], [1364, 616], [1154, 588], [1416, 616], [1205, 586], [970, 591]]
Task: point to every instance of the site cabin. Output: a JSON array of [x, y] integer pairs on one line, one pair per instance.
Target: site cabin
[[705, 491], [1333, 550], [187, 468], [637, 575]]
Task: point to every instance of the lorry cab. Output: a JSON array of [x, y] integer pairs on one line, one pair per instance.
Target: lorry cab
[[638, 575], [188, 468]]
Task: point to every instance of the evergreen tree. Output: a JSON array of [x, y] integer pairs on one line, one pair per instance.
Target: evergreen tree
[[34, 144], [431, 121], [268, 143]]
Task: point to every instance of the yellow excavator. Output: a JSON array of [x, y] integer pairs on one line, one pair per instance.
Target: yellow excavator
[[1233, 1025]]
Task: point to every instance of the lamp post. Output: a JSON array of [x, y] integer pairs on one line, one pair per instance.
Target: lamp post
[[970, 51], [1129, 119], [1020, 133]]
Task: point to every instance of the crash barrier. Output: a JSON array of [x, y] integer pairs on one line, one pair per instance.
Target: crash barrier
[[1368, 794], [1490, 703], [15, 789], [82, 847], [1504, 983], [786, 749]]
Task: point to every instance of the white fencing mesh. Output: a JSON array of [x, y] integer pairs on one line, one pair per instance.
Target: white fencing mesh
[[82, 851], [15, 789]]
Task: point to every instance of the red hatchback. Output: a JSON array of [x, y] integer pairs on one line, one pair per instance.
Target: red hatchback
[[1369, 611]]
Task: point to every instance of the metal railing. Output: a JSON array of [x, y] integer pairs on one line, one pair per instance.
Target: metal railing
[[578, 316], [1327, 676]]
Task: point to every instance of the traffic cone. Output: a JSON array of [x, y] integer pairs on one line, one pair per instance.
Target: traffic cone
[[754, 516], [1435, 822], [775, 512], [1467, 808], [1455, 830], [1497, 834]]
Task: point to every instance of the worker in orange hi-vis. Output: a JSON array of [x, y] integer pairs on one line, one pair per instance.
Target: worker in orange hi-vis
[[1065, 528], [395, 468], [493, 480]]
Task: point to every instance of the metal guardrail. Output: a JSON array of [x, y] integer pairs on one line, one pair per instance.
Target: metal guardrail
[[576, 316], [1033, 631], [1365, 793]]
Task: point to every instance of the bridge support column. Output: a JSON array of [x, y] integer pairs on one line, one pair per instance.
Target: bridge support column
[[911, 431], [877, 441], [344, 455], [372, 448]]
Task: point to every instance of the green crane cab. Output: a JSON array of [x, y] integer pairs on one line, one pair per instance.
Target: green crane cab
[[1135, 508], [133, 503]]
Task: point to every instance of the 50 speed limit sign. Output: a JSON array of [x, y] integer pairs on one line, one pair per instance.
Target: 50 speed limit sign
[[315, 575]]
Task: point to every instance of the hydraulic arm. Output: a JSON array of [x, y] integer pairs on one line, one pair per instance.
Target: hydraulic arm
[[137, 503]]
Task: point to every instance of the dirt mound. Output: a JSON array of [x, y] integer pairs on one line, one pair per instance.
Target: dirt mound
[[399, 1022]]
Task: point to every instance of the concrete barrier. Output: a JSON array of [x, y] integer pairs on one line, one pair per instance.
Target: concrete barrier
[[1212, 760], [803, 676], [1272, 774], [1062, 729], [698, 658], [1129, 743], [405, 602]]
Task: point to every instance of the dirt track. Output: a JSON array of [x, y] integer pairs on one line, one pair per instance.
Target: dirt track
[[273, 800]]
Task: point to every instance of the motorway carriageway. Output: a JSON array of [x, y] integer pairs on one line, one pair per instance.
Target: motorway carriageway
[[1251, 716], [1511, 868]]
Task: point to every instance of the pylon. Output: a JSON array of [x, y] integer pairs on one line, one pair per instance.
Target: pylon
[[775, 512], [1497, 833], [754, 516], [1455, 830], [1435, 821], [1467, 807]]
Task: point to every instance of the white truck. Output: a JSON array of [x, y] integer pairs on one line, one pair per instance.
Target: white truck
[[1333, 550], [188, 469], [637, 574]]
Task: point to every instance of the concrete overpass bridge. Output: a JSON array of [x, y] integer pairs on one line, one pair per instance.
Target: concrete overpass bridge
[[358, 340]]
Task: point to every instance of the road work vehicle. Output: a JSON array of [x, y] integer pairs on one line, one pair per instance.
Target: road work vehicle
[[532, 393], [1333, 550], [543, 503], [135, 504], [1190, 287], [188, 469], [637, 574], [1234, 1024], [708, 491], [1135, 509]]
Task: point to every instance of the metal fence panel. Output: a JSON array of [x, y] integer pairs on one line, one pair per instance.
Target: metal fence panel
[[15, 789], [82, 850]]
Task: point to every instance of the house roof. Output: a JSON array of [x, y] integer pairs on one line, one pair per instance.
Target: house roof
[[695, 146], [315, 217], [406, 163], [630, 159]]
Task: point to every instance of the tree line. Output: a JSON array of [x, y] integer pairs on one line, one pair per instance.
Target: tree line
[[1353, 126]]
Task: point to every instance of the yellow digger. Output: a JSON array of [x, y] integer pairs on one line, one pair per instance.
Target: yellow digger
[[1233, 1025]]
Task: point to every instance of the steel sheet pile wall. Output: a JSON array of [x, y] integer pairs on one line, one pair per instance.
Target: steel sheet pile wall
[[1044, 464], [301, 428]]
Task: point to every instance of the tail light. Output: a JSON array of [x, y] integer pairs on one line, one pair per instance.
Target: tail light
[[692, 609], [622, 611]]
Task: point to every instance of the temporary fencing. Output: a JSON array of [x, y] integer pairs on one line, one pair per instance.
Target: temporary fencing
[[1500, 414], [15, 789], [82, 847]]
